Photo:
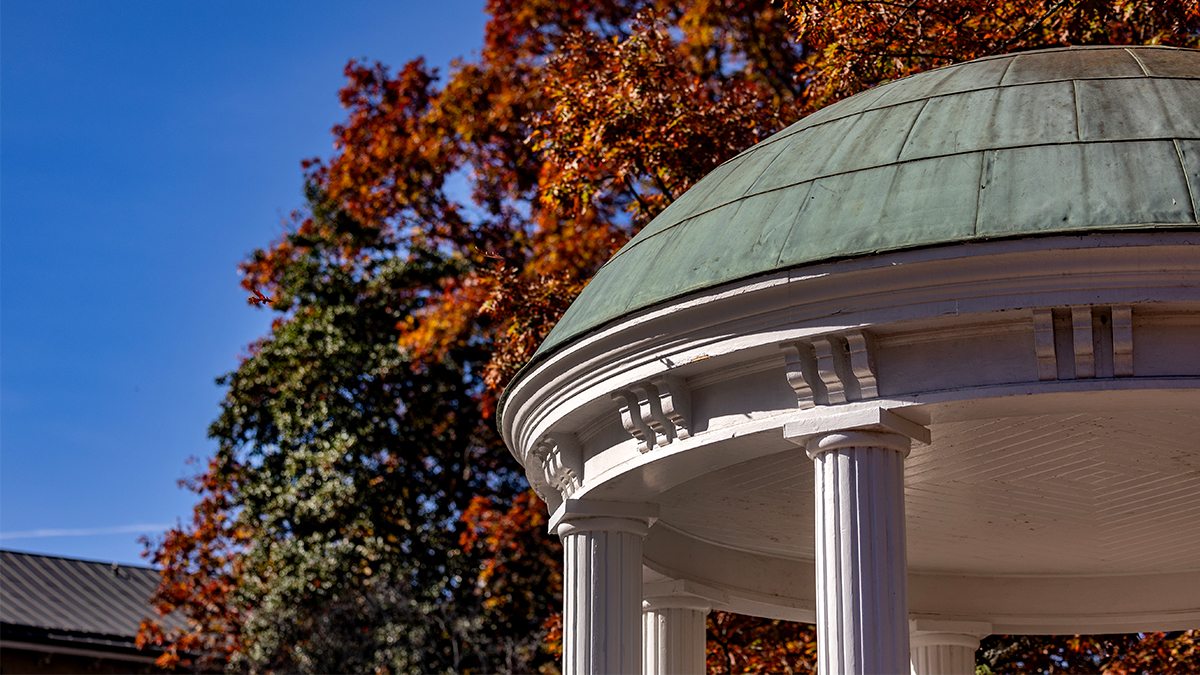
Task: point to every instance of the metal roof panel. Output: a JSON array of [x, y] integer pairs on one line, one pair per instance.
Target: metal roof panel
[[81, 596], [1071, 64], [1023, 187]]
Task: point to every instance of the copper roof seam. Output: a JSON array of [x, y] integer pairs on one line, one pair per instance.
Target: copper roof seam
[[1138, 60], [984, 174], [746, 192], [1008, 70], [784, 134], [1187, 180], [908, 134], [994, 57], [1078, 112], [799, 215], [1007, 67], [910, 160]]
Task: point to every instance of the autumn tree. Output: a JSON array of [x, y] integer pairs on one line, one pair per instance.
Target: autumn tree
[[1128, 654], [860, 43], [360, 512], [348, 469]]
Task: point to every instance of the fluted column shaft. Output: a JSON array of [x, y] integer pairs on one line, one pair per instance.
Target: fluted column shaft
[[602, 594], [674, 630], [939, 653], [862, 600]]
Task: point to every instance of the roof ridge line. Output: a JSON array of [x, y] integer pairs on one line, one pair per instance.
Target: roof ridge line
[[92, 561]]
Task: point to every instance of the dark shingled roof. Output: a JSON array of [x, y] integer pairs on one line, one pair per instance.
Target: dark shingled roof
[[48, 597]]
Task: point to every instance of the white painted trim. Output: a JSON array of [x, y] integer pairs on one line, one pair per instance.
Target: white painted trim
[[982, 277]]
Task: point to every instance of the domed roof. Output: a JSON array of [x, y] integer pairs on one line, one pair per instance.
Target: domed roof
[[1054, 141]]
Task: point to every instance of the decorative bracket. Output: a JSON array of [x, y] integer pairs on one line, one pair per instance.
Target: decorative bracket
[[1122, 341], [656, 412], [831, 369], [1043, 344], [555, 463], [1089, 341]]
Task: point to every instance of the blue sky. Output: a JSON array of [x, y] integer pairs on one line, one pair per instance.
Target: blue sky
[[145, 148]]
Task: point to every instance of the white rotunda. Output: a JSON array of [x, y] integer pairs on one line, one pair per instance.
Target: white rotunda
[[922, 367]]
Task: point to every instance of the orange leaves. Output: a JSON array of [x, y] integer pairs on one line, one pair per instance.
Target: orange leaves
[[385, 162], [554, 635], [446, 322], [169, 661], [744, 644], [519, 576], [525, 307], [502, 528], [149, 633], [858, 43], [634, 121], [1159, 653]]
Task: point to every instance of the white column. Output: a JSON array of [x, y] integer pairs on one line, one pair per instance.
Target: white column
[[945, 647], [862, 600], [674, 630], [602, 588]]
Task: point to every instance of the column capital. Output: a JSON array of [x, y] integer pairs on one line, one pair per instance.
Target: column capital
[[583, 515], [857, 438], [844, 430], [942, 647], [924, 639], [922, 626], [674, 629], [679, 594]]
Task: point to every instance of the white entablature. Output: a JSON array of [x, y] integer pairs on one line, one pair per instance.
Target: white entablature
[[932, 344]]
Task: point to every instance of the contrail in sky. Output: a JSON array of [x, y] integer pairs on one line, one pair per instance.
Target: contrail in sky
[[83, 531]]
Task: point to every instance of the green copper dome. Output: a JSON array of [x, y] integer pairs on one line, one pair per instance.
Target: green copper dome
[[1055, 141]]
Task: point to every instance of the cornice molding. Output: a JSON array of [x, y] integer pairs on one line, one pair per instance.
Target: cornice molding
[[655, 412], [823, 332], [581, 515]]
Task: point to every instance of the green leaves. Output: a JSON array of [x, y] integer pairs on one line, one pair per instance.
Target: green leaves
[[353, 465]]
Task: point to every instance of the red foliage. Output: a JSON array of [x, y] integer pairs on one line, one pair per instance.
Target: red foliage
[[742, 644], [520, 576], [199, 566]]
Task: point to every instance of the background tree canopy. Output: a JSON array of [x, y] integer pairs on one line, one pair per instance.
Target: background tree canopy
[[361, 513]]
